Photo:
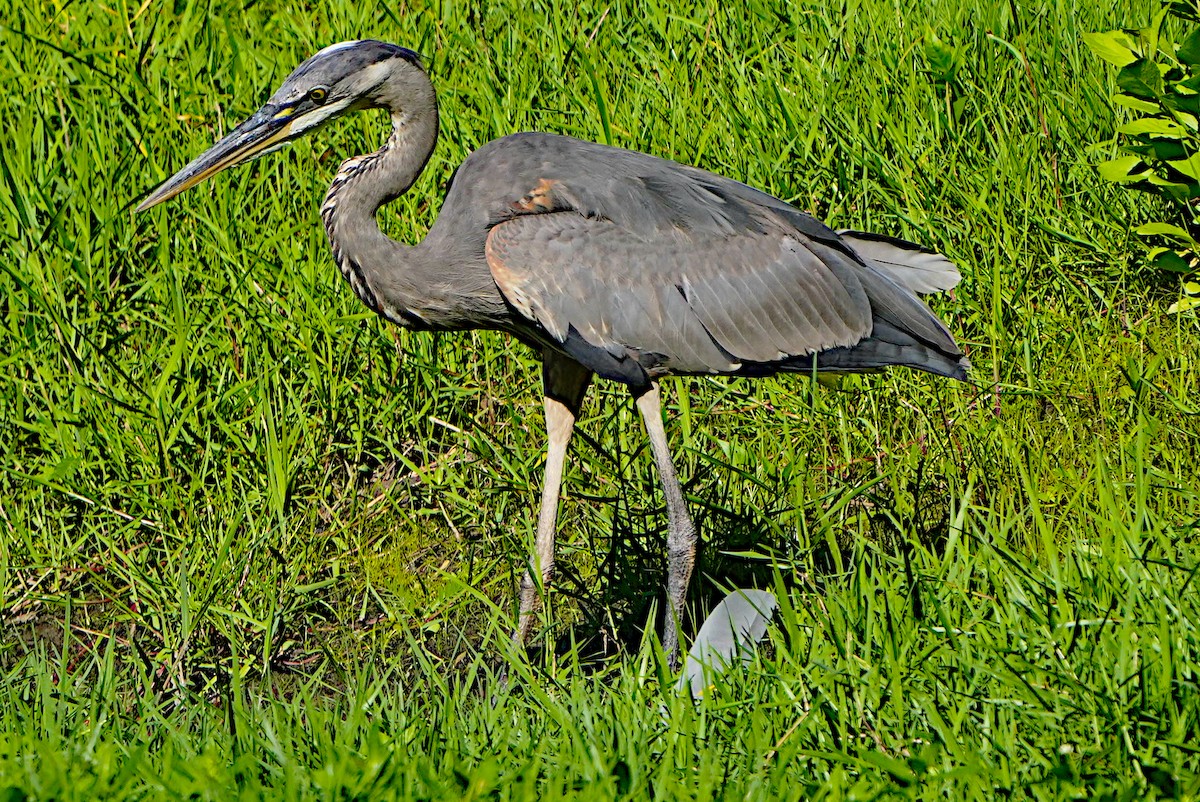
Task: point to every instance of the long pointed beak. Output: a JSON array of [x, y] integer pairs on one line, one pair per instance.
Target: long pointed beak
[[269, 128]]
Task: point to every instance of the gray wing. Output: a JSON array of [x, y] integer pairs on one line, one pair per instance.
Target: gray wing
[[679, 302]]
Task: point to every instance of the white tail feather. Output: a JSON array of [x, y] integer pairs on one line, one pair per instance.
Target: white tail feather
[[910, 265]]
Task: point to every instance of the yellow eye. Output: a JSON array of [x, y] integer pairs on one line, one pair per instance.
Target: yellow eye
[[318, 94]]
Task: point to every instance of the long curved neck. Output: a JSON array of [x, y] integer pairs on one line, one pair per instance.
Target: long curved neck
[[385, 274]]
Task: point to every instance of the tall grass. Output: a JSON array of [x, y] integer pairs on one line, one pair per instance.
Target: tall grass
[[256, 543]]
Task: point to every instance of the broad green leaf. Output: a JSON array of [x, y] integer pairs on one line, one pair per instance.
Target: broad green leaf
[[1150, 32], [1189, 49], [1141, 79], [1189, 166], [1115, 47], [1163, 149], [1159, 181], [1121, 169], [1136, 103], [1166, 230], [1184, 304], [1182, 104], [1175, 190], [1168, 259], [1153, 126], [1191, 287]]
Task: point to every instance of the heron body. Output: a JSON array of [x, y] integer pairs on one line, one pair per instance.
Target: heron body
[[608, 262]]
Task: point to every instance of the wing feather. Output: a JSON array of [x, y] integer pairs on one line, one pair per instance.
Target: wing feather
[[695, 304]]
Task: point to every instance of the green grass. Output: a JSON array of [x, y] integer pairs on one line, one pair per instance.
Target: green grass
[[255, 543]]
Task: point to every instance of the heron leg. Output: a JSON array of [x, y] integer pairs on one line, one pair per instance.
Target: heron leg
[[564, 382], [681, 532]]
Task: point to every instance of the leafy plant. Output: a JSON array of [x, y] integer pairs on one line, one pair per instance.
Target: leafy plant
[[1159, 81]]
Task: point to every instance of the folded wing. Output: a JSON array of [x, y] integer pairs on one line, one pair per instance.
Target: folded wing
[[681, 303]]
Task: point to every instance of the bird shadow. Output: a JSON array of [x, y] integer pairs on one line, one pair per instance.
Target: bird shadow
[[742, 546]]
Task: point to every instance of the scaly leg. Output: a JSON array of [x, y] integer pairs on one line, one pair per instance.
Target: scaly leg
[[681, 532], [565, 382]]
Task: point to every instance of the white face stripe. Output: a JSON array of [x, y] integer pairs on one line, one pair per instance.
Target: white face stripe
[[317, 116]]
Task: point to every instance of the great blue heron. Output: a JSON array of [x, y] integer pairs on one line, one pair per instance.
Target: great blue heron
[[608, 262]]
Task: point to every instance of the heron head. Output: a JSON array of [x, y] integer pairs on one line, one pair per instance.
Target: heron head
[[342, 78]]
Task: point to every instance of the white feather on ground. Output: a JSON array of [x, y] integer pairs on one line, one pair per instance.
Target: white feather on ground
[[731, 631]]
